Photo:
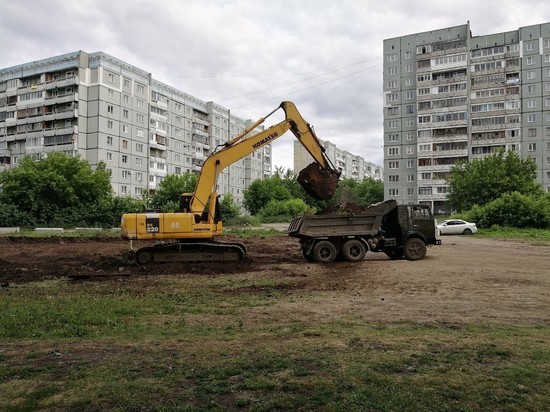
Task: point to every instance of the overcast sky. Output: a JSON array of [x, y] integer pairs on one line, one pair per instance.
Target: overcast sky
[[249, 55]]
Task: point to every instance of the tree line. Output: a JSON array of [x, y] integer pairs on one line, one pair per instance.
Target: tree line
[[64, 191]]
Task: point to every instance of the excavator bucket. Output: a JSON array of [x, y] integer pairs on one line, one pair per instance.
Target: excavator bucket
[[318, 182]]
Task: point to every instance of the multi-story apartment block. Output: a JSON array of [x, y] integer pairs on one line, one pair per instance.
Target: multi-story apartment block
[[451, 97], [352, 166], [105, 110]]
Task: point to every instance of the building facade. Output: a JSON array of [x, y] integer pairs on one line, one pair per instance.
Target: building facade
[[352, 166], [102, 109], [451, 97]]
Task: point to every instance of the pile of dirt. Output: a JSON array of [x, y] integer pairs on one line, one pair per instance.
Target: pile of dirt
[[346, 208]]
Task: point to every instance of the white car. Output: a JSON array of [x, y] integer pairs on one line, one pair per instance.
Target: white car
[[456, 227]]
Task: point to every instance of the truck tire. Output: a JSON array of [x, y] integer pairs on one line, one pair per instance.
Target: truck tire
[[354, 250], [415, 249], [324, 252]]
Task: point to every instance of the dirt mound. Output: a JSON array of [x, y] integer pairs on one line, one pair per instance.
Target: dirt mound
[[346, 208]]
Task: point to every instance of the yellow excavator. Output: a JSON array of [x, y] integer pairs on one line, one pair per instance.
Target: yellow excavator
[[188, 235]]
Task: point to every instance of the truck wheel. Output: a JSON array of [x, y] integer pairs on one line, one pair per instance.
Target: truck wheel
[[354, 250], [415, 249], [324, 252]]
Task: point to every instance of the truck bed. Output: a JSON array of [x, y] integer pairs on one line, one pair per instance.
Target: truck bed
[[311, 225]]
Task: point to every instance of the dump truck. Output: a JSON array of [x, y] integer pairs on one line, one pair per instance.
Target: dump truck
[[345, 233]]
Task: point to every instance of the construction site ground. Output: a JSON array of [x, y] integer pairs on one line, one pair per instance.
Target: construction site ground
[[467, 278]]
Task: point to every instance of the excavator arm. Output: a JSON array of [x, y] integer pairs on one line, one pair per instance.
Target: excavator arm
[[321, 180]]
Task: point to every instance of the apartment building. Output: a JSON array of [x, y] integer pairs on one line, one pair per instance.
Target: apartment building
[[451, 97], [352, 166], [103, 109]]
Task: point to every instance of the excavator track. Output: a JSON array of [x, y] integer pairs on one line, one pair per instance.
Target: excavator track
[[196, 252]]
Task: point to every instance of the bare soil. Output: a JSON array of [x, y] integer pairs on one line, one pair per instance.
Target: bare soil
[[466, 279]]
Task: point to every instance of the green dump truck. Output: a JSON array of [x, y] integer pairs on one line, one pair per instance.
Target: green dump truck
[[349, 233]]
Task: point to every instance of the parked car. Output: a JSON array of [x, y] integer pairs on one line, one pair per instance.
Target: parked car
[[456, 227]]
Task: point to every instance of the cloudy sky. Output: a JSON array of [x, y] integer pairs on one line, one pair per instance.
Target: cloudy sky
[[249, 55]]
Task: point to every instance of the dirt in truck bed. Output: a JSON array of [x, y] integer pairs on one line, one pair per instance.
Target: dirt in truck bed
[[466, 278]]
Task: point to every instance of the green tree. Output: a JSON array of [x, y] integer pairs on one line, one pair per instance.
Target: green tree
[[58, 188], [261, 191], [229, 208], [169, 191], [482, 180], [364, 192]]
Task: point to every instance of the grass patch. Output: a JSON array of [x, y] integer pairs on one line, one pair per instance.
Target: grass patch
[[538, 236], [212, 342]]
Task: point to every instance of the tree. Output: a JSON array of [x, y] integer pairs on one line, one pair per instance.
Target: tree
[[364, 192], [169, 191], [57, 188], [261, 191], [229, 209], [482, 180]]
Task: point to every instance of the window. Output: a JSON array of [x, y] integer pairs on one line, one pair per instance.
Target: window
[[532, 132], [109, 141], [111, 78], [392, 57], [393, 178], [532, 147], [125, 114], [393, 111], [531, 118], [139, 147], [140, 89], [393, 137], [531, 103], [125, 128], [109, 156], [124, 144], [392, 70], [111, 94], [530, 60], [410, 178], [531, 88], [410, 191], [393, 192], [109, 124], [393, 124], [393, 164], [124, 159], [140, 118], [531, 75], [408, 55], [529, 46], [110, 109], [410, 164], [126, 83], [393, 151]]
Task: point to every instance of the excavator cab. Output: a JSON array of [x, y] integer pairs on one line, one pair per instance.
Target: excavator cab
[[319, 182]]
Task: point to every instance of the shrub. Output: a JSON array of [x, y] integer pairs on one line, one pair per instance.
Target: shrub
[[283, 210], [512, 210]]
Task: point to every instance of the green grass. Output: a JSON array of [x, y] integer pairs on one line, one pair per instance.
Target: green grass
[[540, 236], [219, 343]]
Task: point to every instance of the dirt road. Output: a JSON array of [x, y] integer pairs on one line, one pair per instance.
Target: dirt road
[[465, 279]]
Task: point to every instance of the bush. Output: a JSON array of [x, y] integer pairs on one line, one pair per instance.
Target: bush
[[11, 216], [512, 210], [283, 210]]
